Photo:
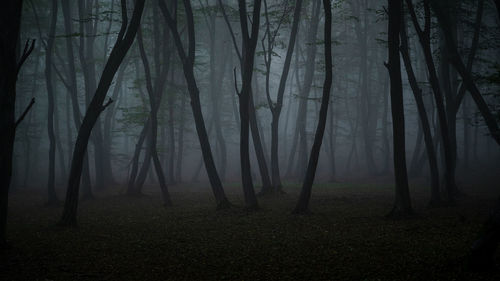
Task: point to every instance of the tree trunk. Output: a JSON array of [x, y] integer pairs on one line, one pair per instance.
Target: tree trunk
[[249, 44], [424, 121], [305, 90], [402, 203], [188, 64], [424, 37], [68, 29], [51, 191], [124, 41], [305, 194], [10, 64]]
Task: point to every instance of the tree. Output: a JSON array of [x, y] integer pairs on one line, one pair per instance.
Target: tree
[[425, 42], [422, 113], [155, 93], [305, 193], [278, 105], [123, 42], [10, 65], [402, 203], [187, 60], [300, 136], [259, 151], [249, 43], [455, 59], [52, 196], [73, 89]]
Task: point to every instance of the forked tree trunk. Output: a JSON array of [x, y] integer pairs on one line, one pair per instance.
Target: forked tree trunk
[[123, 42], [424, 121], [249, 44]]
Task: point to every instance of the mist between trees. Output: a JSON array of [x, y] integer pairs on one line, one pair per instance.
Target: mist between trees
[[268, 94]]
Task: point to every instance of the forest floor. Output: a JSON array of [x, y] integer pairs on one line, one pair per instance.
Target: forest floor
[[346, 237]]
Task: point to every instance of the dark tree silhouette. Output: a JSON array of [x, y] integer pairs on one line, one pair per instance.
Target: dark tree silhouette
[[123, 42], [305, 194], [49, 46], [10, 65], [424, 120], [402, 202], [276, 107], [194, 93], [155, 94], [249, 43], [454, 57], [425, 42]]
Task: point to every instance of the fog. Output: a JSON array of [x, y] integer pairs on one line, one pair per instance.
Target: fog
[[143, 83]]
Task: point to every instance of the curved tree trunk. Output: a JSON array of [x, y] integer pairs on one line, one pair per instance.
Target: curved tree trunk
[[305, 193], [123, 42]]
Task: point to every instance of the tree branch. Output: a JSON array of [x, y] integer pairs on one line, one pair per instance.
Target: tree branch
[[32, 102], [28, 48]]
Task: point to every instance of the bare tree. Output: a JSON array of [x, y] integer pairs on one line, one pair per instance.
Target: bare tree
[[305, 193], [123, 42], [187, 60], [10, 65], [402, 202]]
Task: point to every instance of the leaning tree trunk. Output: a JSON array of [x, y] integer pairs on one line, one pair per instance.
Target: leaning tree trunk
[[194, 93], [155, 94], [305, 194], [468, 80], [424, 121], [96, 107], [424, 37]]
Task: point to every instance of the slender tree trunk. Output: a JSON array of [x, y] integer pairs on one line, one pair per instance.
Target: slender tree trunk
[[188, 64], [123, 42], [456, 60], [68, 29], [402, 203], [10, 64], [51, 191], [276, 107], [424, 121], [155, 94], [424, 37], [305, 194], [249, 44], [180, 141], [306, 88]]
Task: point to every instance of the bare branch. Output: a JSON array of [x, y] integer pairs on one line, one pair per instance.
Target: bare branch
[[107, 104], [28, 48], [32, 102]]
